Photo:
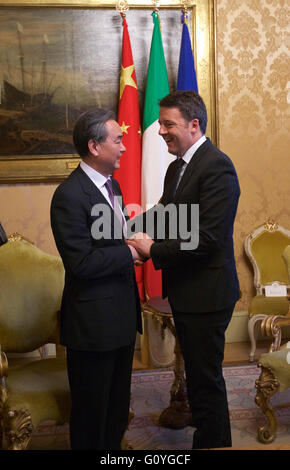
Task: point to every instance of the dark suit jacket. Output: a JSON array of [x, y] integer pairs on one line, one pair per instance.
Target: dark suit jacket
[[100, 307], [203, 279]]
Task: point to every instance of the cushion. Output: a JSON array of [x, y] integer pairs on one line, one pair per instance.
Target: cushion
[[268, 305], [41, 387]]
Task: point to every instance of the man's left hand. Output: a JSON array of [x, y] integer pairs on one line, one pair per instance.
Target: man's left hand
[[142, 243]]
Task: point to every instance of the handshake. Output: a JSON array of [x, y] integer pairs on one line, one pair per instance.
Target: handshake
[[140, 245]]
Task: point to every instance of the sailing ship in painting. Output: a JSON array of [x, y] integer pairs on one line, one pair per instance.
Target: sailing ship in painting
[[30, 122]]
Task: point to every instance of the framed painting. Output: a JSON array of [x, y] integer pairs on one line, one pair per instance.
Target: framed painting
[[60, 59]]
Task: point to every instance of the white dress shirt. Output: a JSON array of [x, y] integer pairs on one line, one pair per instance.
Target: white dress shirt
[[97, 178], [100, 180], [190, 153]]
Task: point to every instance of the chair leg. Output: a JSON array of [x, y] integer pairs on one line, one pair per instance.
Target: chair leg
[[251, 330], [17, 426], [267, 385]]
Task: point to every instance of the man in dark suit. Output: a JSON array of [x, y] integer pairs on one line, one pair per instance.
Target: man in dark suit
[[100, 311], [201, 282]]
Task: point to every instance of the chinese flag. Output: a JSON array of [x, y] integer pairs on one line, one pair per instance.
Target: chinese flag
[[129, 174]]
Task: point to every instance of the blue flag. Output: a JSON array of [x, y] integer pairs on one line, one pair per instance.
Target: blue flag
[[186, 70]]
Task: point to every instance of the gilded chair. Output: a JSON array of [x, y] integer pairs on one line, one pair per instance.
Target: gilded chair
[[264, 247], [34, 390], [275, 367]]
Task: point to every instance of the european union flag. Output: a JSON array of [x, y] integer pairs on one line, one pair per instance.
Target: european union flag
[[186, 70]]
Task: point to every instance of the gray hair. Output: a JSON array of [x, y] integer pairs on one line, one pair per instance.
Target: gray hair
[[91, 125]]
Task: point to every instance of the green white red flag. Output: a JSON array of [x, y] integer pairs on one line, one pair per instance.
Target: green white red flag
[[155, 156]]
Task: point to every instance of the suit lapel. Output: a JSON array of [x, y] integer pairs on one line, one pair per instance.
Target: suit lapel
[[90, 188], [94, 194], [194, 162]]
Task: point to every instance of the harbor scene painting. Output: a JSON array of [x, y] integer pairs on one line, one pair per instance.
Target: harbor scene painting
[[50, 73], [58, 63]]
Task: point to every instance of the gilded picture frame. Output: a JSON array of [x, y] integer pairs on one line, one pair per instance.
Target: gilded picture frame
[[36, 126]]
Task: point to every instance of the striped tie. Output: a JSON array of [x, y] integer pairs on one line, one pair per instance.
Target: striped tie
[[115, 204]]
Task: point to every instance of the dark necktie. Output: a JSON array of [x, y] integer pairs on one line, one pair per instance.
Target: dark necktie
[[115, 203], [175, 182]]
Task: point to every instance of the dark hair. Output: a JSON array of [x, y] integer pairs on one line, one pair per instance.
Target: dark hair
[[190, 105], [91, 125]]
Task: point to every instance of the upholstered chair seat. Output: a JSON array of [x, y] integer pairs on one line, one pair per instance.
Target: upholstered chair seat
[[272, 305], [40, 386]]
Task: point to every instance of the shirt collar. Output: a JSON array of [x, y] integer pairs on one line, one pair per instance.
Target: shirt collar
[[190, 152], [97, 178]]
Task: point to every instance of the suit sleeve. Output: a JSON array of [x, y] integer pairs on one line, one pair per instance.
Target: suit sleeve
[[219, 193], [145, 223], [81, 257]]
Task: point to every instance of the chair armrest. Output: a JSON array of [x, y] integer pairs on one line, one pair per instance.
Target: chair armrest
[[272, 325]]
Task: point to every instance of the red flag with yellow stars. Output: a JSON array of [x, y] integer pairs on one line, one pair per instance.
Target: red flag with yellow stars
[[129, 174]]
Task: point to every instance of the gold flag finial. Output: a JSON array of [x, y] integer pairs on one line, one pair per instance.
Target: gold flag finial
[[184, 8], [156, 4], [122, 6], [185, 4]]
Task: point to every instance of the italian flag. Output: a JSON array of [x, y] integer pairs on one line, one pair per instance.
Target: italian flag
[[155, 156], [129, 173]]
